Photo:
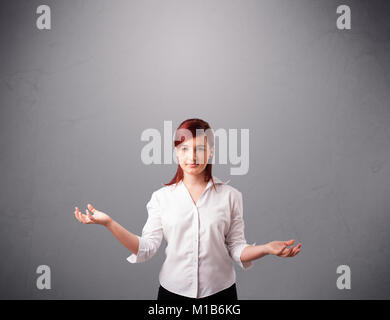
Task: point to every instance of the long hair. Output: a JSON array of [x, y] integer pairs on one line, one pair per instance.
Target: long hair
[[191, 125]]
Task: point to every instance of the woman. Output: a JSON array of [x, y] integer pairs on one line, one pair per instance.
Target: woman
[[201, 219]]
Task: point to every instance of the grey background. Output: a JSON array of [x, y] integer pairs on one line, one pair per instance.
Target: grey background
[[75, 100]]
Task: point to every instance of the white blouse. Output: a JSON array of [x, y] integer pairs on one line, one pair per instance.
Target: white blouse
[[201, 238]]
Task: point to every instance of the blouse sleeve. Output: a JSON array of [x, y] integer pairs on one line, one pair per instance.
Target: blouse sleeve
[[152, 233], [235, 238]]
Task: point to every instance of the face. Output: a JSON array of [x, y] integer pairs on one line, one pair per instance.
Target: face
[[193, 155]]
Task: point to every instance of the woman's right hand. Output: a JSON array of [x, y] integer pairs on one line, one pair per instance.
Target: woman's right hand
[[279, 248], [98, 217]]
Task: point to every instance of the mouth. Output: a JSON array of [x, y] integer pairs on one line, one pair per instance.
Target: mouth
[[192, 165]]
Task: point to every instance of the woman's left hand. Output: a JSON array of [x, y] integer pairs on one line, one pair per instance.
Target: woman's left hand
[[279, 248]]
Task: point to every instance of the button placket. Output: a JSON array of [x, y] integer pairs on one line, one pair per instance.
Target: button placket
[[195, 229], [196, 245]]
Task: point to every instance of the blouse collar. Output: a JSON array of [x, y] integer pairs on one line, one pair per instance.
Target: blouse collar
[[216, 181]]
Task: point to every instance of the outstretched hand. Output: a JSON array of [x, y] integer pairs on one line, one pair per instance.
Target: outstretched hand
[[279, 248], [98, 217]]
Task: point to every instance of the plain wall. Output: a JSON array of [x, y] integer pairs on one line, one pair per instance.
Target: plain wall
[[75, 99]]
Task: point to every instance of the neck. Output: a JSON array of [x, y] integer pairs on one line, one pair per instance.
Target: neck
[[194, 180]]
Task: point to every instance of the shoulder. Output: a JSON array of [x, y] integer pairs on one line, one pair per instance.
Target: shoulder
[[229, 189], [162, 191]]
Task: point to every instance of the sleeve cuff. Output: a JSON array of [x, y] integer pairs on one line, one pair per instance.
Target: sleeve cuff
[[245, 265], [136, 258]]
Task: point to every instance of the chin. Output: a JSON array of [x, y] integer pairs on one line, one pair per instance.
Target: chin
[[193, 170]]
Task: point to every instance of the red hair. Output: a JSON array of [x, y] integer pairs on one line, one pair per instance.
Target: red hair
[[191, 125]]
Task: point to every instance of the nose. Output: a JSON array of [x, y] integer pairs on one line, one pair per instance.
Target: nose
[[192, 155]]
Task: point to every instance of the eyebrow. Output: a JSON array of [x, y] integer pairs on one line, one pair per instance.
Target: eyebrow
[[198, 145]]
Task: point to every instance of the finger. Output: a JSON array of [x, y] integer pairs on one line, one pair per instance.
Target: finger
[[90, 216], [77, 217], [87, 217], [281, 251], [91, 208], [83, 217], [77, 214], [289, 242], [295, 251], [287, 253], [290, 252]]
